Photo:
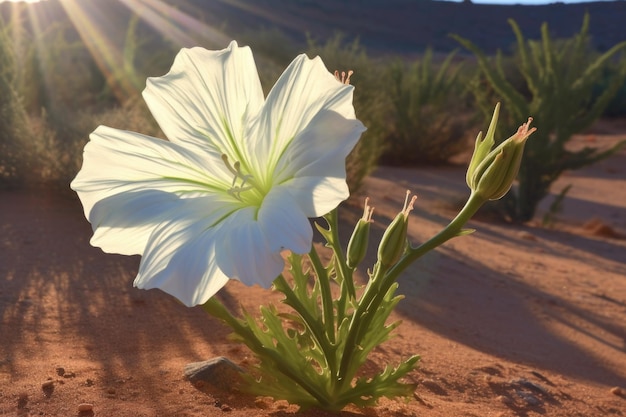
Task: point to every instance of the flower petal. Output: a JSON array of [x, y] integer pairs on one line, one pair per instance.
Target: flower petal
[[304, 89], [207, 97], [317, 196], [320, 150], [130, 182], [244, 252], [283, 223], [124, 222], [180, 260]]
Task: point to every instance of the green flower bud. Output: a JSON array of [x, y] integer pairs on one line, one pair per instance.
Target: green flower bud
[[482, 147], [393, 243], [492, 175], [357, 246]]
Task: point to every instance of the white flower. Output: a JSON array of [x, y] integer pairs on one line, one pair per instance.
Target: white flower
[[237, 180]]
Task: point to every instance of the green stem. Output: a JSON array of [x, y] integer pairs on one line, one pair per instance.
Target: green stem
[[310, 322], [340, 258], [453, 229], [217, 309], [374, 294], [327, 296]]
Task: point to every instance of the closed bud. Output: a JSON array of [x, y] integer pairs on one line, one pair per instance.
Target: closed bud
[[491, 172], [482, 148], [357, 246], [393, 243]]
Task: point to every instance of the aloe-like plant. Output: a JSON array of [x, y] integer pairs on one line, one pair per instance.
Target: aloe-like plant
[[425, 124], [560, 78]]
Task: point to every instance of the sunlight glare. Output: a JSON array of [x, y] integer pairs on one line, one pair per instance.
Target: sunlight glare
[[175, 25]]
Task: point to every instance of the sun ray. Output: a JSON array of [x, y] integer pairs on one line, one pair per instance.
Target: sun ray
[[175, 25], [88, 20]]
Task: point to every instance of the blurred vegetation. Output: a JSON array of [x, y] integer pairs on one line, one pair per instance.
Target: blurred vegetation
[[12, 114], [428, 121], [369, 103], [566, 88], [54, 93]]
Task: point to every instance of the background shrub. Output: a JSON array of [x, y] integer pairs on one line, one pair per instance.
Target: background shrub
[[428, 120], [560, 79], [370, 102]]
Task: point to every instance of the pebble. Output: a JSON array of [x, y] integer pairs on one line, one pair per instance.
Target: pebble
[[260, 403], [218, 372], [617, 391], [48, 384], [503, 399], [83, 407], [527, 236]]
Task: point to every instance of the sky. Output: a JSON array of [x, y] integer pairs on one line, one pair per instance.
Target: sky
[[529, 2]]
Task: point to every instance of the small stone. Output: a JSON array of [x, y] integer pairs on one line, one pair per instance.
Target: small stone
[[527, 236], [530, 399], [60, 371], [218, 372], [260, 403], [84, 407], [111, 391], [47, 385], [22, 400], [503, 399], [617, 391], [89, 382], [225, 407], [69, 375]]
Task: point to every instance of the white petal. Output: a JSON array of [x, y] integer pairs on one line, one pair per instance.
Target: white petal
[[320, 150], [130, 182], [124, 222], [305, 88], [207, 97], [244, 251], [180, 260], [317, 196], [283, 222], [116, 161]]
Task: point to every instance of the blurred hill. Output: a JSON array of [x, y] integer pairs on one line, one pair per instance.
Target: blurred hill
[[382, 26], [409, 26]]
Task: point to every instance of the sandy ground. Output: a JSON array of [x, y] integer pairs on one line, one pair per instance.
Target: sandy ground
[[510, 321]]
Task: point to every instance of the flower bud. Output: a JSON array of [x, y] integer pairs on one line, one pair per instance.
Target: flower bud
[[393, 243], [357, 246], [482, 147], [492, 174]]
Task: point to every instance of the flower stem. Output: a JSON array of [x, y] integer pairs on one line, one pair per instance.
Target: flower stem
[[326, 294], [214, 307], [376, 290], [341, 267], [321, 337]]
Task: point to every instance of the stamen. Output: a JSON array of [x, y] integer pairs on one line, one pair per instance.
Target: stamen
[[525, 131], [408, 205], [235, 169], [344, 78], [230, 168], [368, 211]]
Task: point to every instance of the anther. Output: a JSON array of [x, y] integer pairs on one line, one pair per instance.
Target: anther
[[344, 78]]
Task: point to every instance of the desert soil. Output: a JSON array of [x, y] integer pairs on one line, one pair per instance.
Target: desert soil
[[521, 320]]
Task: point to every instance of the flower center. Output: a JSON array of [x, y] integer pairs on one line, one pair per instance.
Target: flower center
[[241, 182]]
